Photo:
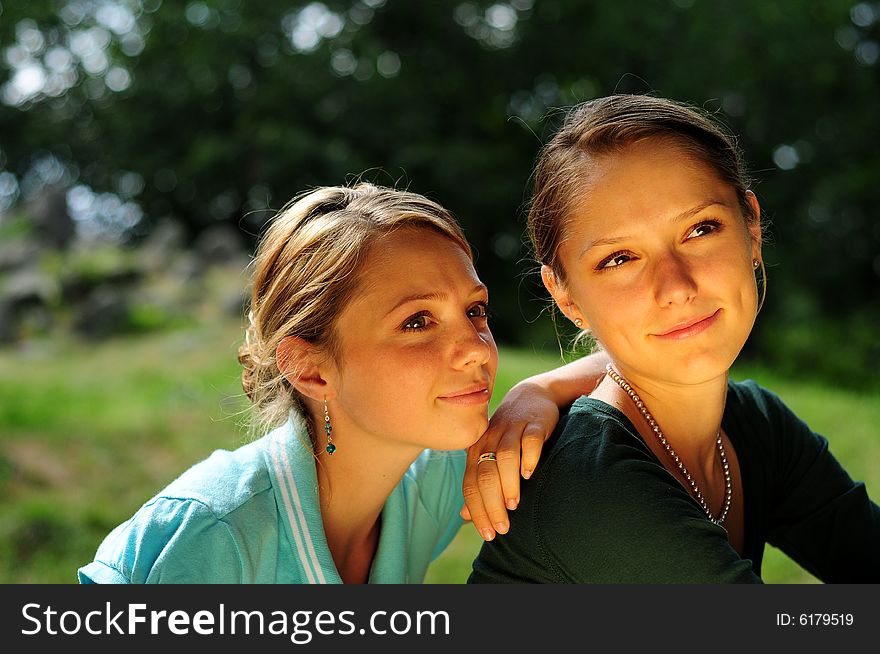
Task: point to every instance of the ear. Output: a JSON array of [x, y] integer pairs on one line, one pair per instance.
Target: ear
[[562, 298], [304, 367], [755, 225]]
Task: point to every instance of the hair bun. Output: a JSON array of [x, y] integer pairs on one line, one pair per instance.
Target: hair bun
[[246, 359]]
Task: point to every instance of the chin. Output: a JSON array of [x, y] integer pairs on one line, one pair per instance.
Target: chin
[[703, 369], [462, 438]]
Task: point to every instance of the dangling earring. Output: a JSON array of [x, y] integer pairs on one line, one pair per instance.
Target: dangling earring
[[331, 448], [578, 323]]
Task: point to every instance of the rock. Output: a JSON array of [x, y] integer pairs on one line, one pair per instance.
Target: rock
[[17, 253], [104, 312], [25, 300], [220, 245], [8, 325], [53, 226], [160, 248], [29, 285]]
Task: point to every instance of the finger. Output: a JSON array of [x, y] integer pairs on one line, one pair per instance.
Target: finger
[[489, 484], [474, 500], [465, 514], [508, 453], [533, 438]]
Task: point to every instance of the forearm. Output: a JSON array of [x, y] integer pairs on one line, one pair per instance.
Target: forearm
[[567, 383]]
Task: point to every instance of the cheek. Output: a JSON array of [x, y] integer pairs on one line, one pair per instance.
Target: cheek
[[392, 376], [609, 309], [492, 365], [736, 277], [749, 294]]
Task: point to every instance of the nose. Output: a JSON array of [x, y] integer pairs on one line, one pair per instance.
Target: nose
[[673, 281], [472, 346]]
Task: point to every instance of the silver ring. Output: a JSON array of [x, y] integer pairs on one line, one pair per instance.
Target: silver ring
[[486, 456]]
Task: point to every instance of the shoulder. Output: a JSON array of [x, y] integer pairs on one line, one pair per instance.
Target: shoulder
[[197, 528], [602, 481], [435, 479], [432, 499], [433, 465], [750, 394], [224, 481], [167, 541], [601, 508], [761, 417], [757, 403], [591, 438]]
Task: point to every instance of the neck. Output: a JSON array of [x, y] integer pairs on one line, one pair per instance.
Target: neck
[[688, 415], [353, 485], [689, 445]]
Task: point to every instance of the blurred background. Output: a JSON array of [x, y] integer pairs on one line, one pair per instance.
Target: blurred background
[[144, 144]]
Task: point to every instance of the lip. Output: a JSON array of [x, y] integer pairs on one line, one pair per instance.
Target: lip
[[690, 327], [474, 394]]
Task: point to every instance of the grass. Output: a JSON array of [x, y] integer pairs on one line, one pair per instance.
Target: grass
[[88, 432]]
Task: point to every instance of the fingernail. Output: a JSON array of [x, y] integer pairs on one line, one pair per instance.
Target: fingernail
[[487, 534], [511, 504], [501, 528], [527, 474]]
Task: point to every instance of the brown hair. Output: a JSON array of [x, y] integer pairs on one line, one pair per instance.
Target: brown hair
[[306, 270], [604, 126]]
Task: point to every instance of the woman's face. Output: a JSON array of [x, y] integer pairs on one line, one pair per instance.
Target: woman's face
[[417, 360], [659, 264]]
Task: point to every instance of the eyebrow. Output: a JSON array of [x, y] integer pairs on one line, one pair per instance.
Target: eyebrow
[[432, 297], [684, 215]]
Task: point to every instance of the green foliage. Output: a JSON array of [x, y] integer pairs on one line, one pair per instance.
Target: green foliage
[[145, 317], [98, 265], [14, 227], [227, 115], [843, 351]]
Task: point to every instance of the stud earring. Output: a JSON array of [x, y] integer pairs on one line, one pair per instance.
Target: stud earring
[[331, 448], [578, 323], [755, 263]]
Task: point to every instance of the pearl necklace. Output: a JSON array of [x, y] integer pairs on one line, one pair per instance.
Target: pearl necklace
[[640, 405]]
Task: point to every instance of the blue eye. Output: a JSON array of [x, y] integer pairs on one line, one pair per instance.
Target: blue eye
[[615, 260]]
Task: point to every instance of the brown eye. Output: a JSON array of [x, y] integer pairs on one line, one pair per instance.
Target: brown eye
[[615, 260], [479, 310], [705, 228], [416, 322]]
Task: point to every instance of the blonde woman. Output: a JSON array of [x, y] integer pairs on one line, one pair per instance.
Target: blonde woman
[[369, 361], [650, 238]]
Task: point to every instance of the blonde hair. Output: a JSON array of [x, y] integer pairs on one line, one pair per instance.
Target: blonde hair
[[306, 271]]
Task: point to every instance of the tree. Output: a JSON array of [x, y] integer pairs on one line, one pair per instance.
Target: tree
[[220, 111]]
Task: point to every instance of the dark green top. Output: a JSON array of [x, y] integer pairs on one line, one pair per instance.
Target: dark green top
[[600, 508]]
